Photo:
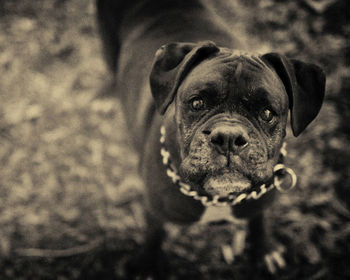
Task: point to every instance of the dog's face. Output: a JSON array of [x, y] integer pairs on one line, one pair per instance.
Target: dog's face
[[230, 111], [231, 114]]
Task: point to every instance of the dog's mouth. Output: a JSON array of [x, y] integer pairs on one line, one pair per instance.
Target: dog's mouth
[[222, 180], [234, 186], [228, 182], [225, 184]]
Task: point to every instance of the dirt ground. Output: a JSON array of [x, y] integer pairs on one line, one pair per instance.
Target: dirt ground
[[71, 200]]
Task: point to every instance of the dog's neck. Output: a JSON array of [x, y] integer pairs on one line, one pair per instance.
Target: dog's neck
[[279, 171]]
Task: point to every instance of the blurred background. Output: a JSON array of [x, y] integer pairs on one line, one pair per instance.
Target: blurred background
[[70, 197]]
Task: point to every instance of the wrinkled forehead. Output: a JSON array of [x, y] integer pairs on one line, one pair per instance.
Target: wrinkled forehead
[[233, 71]]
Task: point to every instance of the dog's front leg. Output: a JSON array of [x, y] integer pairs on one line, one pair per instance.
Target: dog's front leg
[[262, 245], [149, 260]]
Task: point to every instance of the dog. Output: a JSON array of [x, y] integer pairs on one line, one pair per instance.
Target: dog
[[206, 115]]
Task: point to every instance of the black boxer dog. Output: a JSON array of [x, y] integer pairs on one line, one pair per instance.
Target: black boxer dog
[[207, 116]]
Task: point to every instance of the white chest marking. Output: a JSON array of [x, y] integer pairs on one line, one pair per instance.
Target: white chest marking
[[217, 213]]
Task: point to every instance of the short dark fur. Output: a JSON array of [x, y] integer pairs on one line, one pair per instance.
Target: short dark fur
[[225, 146]]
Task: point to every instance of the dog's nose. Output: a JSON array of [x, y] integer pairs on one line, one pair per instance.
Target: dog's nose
[[228, 138]]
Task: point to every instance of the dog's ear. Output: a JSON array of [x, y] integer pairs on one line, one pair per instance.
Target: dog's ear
[[305, 85], [171, 65]]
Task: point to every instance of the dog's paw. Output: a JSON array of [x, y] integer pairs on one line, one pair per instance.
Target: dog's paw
[[274, 260]]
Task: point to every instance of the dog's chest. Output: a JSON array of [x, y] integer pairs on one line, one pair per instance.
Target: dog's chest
[[213, 214]]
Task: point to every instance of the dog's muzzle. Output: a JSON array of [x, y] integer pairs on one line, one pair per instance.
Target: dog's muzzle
[[284, 180]]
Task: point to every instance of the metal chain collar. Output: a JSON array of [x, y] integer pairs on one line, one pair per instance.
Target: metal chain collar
[[280, 172]]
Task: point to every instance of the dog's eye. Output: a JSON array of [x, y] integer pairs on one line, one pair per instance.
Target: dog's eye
[[197, 104], [267, 115]]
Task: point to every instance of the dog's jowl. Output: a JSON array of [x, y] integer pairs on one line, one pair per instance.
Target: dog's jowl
[[207, 116]]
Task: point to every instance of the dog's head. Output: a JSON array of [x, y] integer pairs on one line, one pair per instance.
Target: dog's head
[[231, 110]]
